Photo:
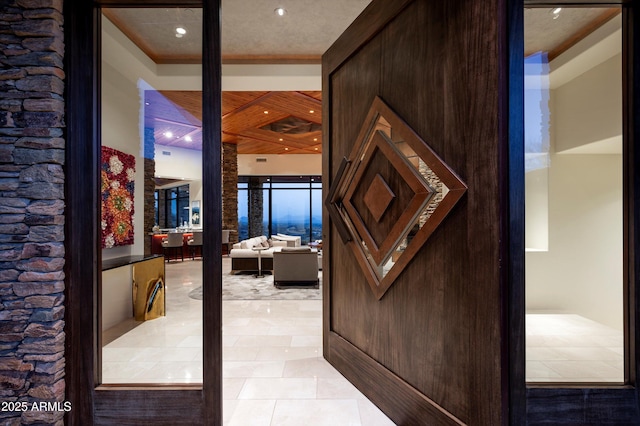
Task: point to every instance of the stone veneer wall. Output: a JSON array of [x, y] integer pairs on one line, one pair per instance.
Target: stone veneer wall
[[149, 187], [32, 251], [256, 206], [149, 203], [230, 189]]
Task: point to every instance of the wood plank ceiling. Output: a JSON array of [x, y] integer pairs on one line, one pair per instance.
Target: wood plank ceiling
[[258, 122]]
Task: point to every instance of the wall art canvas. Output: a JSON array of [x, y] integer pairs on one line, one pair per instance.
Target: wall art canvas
[[118, 176]]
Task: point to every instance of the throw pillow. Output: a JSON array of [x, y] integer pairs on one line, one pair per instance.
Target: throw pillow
[[264, 244]]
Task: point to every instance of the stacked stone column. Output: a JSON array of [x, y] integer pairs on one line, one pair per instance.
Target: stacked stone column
[[32, 209], [230, 189]]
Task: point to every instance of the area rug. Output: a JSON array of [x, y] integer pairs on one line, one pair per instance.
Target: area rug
[[244, 286]]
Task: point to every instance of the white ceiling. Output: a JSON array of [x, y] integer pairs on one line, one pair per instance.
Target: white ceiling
[[250, 29]]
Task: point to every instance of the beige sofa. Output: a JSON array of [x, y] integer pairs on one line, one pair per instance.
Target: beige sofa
[[291, 240], [245, 258], [295, 266]]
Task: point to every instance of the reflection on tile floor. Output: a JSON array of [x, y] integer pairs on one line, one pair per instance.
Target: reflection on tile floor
[[273, 369]]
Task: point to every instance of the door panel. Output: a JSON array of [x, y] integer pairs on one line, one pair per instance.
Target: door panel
[[428, 351]]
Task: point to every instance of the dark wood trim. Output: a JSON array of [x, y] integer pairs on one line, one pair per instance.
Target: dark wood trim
[[512, 211], [329, 182], [82, 157], [589, 404], [400, 401], [369, 23], [616, 406], [212, 212], [123, 406], [631, 190], [130, 404]]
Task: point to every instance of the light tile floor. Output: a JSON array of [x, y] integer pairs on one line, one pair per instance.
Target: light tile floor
[[273, 369], [572, 348]]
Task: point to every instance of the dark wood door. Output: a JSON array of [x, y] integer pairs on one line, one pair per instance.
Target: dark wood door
[[414, 298]]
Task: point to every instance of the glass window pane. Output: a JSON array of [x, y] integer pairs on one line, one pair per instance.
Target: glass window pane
[[290, 213], [243, 212], [292, 185], [316, 214], [151, 309], [573, 183]]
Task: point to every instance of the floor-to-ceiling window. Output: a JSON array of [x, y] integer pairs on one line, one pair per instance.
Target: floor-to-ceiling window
[[289, 205]]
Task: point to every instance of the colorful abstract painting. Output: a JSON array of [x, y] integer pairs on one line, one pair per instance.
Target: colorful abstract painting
[[118, 175]]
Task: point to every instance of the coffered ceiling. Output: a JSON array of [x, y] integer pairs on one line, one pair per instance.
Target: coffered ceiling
[[258, 122]]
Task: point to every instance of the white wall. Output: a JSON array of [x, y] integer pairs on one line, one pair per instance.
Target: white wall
[[286, 164], [537, 210], [582, 271], [120, 109], [117, 303], [588, 109]]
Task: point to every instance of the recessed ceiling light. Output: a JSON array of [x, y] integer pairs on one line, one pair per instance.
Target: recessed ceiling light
[[281, 11], [180, 32], [266, 112], [168, 134], [286, 149], [280, 139], [556, 12], [315, 139], [311, 111], [316, 149], [188, 138], [146, 103]]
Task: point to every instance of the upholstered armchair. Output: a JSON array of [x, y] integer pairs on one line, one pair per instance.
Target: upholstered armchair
[[295, 266]]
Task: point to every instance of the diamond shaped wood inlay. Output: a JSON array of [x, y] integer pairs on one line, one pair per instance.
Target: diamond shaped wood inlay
[[390, 196], [378, 197]]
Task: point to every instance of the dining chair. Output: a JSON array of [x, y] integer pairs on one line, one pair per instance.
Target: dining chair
[[173, 243], [195, 242]]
